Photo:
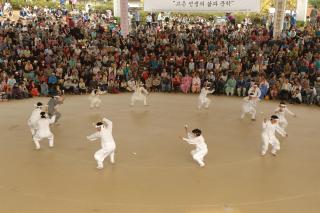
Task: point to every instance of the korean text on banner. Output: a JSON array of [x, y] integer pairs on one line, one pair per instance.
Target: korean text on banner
[[203, 5]]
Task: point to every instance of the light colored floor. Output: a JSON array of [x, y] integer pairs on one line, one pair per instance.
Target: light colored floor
[[161, 177]]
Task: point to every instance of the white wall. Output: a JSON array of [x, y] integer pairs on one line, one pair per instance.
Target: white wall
[[302, 6]]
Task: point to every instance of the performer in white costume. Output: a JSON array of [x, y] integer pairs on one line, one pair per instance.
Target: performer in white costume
[[139, 95], [94, 98], [203, 101], [256, 91], [43, 130], [35, 116], [249, 106], [280, 112], [195, 138], [108, 145], [268, 135]]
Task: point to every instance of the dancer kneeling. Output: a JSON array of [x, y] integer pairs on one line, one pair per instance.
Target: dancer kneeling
[[94, 98], [203, 101], [43, 130], [108, 146], [196, 138], [139, 94]]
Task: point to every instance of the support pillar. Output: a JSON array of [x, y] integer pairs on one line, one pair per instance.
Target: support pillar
[[124, 19], [279, 18]]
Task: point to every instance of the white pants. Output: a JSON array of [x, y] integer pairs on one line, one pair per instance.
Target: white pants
[[252, 111], [204, 103], [37, 138], [140, 98], [95, 103], [33, 128], [270, 140], [198, 155], [101, 154]]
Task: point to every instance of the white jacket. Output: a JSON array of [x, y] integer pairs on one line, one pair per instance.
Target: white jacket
[[281, 113], [203, 94], [95, 96], [107, 140], [199, 142], [43, 127], [256, 92], [35, 117], [269, 130]]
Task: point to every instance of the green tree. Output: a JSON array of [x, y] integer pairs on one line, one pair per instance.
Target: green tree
[[266, 4], [314, 2]]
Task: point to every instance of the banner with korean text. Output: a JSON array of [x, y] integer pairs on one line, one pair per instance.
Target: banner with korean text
[[202, 5]]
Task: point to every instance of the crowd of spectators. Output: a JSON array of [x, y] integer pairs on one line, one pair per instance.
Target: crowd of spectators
[[56, 51]]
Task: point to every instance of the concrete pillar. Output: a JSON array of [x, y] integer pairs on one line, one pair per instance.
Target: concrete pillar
[[124, 20], [279, 18], [302, 7]]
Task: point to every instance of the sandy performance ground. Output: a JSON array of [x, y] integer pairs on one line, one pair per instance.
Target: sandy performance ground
[[154, 171]]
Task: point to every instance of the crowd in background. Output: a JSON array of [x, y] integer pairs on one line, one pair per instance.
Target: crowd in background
[[48, 52]]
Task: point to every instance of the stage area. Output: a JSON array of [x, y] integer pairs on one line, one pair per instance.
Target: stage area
[[154, 171]]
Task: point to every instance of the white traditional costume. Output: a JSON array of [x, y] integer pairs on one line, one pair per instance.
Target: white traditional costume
[[139, 95], [269, 137], [280, 112], [35, 116], [108, 145], [94, 98], [249, 107], [255, 90], [203, 101], [43, 130], [201, 149]]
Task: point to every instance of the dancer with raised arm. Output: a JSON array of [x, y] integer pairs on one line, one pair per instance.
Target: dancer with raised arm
[[108, 145], [139, 95], [280, 112], [203, 101], [196, 138], [94, 98], [269, 129]]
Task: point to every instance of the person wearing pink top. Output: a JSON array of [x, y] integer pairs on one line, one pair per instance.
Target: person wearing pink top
[[186, 83]]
